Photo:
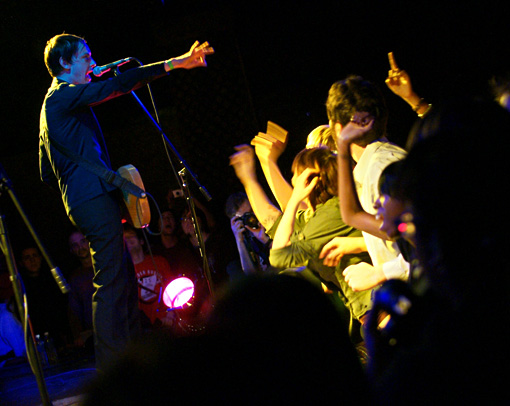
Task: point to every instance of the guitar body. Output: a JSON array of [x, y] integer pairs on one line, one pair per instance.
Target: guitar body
[[138, 210]]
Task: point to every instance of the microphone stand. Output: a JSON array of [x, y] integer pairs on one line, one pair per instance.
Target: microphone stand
[[186, 171], [32, 353], [196, 228]]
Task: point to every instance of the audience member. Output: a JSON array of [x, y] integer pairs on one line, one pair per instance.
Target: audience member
[[178, 204], [82, 289], [176, 201], [310, 360], [12, 341], [252, 241], [307, 231], [391, 211], [357, 99], [153, 274], [268, 153], [300, 234], [176, 249], [172, 245], [264, 344], [399, 82], [217, 248], [321, 136], [447, 345], [47, 306]]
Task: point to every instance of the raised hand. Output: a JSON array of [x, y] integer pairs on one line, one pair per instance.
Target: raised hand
[[399, 83], [334, 250], [398, 80], [194, 58], [360, 124], [243, 162], [304, 183], [267, 149]]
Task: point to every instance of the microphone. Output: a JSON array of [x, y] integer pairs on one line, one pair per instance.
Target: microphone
[[99, 70]]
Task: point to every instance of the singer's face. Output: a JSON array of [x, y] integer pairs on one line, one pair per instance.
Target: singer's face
[[82, 65]]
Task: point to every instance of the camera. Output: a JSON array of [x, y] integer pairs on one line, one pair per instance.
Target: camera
[[249, 220]]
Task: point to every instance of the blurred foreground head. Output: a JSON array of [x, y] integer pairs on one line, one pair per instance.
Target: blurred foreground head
[[271, 340], [455, 181]]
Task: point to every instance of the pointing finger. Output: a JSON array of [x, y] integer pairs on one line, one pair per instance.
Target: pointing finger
[[393, 64]]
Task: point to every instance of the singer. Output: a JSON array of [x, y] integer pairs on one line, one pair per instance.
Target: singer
[[67, 120]]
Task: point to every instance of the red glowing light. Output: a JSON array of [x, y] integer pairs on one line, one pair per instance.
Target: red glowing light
[[178, 292], [402, 228]]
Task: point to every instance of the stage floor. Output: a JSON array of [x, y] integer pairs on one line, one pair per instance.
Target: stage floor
[[64, 381]]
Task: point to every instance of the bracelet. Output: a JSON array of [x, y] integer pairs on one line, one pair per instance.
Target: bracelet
[[425, 112], [170, 64], [417, 107]]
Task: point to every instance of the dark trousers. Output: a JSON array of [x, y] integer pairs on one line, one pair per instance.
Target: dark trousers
[[115, 311]]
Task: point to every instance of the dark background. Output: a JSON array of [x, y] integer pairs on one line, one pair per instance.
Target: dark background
[[274, 61]]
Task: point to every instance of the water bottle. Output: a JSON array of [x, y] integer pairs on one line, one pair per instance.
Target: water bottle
[[41, 349]]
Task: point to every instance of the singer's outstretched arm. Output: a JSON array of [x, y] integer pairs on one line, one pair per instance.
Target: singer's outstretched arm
[[194, 58]]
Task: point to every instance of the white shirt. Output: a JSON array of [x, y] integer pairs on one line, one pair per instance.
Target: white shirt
[[377, 156]]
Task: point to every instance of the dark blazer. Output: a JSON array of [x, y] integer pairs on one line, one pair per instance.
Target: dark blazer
[[67, 118]]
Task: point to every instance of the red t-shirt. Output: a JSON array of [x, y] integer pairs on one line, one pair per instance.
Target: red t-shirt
[[152, 280]]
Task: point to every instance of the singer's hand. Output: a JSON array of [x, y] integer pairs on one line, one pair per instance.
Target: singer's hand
[[194, 58]]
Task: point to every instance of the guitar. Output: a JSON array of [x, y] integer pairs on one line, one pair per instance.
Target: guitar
[[138, 210]]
